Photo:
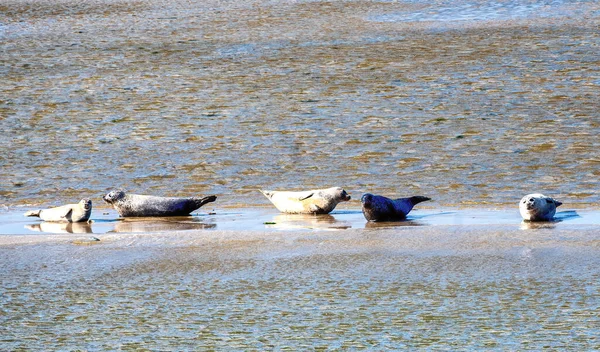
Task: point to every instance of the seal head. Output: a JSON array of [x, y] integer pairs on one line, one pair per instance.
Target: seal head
[[86, 204], [114, 196]]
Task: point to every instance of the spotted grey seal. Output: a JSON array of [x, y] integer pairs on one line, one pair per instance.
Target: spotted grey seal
[[319, 201], [66, 213], [538, 207], [137, 205], [380, 208]]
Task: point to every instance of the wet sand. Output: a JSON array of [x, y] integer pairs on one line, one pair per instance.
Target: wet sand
[[472, 286], [255, 279]]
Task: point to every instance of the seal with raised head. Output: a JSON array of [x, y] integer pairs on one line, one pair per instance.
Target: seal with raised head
[[538, 207], [65, 213], [137, 205], [380, 208], [319, 201]]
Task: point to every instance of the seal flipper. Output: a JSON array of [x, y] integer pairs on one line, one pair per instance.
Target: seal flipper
[[67, 213], [557, 203], [316, 209], [405, 205], [267, 194], [306, 197], [33, 213], [418, 199], [201, 201]]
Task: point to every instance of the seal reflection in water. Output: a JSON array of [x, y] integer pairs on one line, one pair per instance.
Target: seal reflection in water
[[79, 212], [157, 224], [319, 201], [307, 221], [379, 208], [538, 207], [136, 205], [61, 227]]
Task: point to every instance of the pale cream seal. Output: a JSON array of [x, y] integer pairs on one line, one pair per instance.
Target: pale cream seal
[[380, 208], [66, 213], [319, 201]]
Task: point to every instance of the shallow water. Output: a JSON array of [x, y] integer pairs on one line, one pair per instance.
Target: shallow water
[[467, 102], [267, 219]]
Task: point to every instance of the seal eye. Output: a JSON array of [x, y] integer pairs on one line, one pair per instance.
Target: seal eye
[[531, 200]]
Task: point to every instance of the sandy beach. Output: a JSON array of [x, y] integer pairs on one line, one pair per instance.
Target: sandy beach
[[477, 286], [254, 279]]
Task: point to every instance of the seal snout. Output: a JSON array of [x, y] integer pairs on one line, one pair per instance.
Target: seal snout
[[87, 203], [345, 196], [530, 203]]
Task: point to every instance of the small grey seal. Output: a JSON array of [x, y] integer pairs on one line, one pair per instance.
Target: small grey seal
[[66, 213], [538, 207], [319, 201], [137, 205], [380, 208]]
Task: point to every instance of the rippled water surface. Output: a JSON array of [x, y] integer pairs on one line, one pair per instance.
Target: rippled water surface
[[467, 102]]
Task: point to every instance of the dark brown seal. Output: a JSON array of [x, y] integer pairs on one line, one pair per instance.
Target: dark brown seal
[[380, 208]]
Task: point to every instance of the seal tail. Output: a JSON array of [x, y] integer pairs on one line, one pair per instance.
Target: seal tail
[[267, 194], [405, 205], [557, 203], [418, 199], [33, 213], [201, 201]]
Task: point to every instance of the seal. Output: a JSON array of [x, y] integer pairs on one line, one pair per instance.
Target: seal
[[538, 207], [66, 213], [137, 205], [380, 208], [319, 201]]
